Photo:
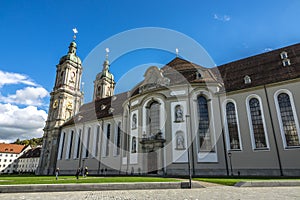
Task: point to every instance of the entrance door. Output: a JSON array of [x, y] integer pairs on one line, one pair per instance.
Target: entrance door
[[152, 162]]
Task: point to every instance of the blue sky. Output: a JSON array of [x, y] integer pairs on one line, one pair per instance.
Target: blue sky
[[35, 34]]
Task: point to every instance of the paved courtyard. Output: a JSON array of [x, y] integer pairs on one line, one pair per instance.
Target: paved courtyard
[[216, 192]]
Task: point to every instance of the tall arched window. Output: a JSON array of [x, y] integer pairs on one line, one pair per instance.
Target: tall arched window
[[257, 123], [205, 143], [288, 121], [232, 127], [107, 140], [153, 118], [77, 144], [88, 143], [61, 145], [70, 145], [97, 141], [118, 138]]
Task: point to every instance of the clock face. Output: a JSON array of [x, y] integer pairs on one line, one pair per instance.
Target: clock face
[[55, 104], [69, 105]]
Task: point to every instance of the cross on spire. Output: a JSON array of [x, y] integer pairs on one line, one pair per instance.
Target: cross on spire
[[75, 31], [107, 52], [177, 52]]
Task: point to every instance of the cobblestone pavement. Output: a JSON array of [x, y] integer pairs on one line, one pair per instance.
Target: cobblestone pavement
[[217, 192]]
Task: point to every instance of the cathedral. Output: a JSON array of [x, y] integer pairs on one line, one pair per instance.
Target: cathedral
[[240, 118]]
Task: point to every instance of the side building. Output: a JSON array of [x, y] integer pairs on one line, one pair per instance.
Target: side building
[[29, 161], [9, 154], [239, 118]]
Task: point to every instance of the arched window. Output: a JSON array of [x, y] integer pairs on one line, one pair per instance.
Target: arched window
[[257, 123], [107, 140], [288, 121], [61, 145], [61, 77], [88, 142], [232, 127], [97, 140], [99, 90], [77, 144], [118, 138], [153, 120], [180, 140], [70, 145], [205, 143]]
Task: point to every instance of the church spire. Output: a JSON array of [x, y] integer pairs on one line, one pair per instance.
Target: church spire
[[106, 62], [104, 84], [65, 100]]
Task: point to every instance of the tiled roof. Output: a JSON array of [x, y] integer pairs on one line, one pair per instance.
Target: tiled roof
[[11, 148], [181, 71], [263, 69], [100, 108], [32, 153]]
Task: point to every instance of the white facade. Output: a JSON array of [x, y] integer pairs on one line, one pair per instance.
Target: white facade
[[27, 165], [9, 160], [215, 127]]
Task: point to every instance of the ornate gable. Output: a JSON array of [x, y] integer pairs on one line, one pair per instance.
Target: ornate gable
[[154, 78]]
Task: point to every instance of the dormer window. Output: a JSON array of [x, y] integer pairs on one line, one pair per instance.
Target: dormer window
[[283, 55], [103, 107], [247, 79], [286, 62], [198, 75]]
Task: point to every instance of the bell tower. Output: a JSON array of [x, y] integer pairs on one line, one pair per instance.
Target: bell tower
[[65, 101], [104, 84]]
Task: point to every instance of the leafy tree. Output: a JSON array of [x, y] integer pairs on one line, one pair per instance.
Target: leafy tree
[[32, 142]]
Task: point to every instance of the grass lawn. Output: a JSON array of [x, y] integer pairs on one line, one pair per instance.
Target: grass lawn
[[233, 181], [12, 180]]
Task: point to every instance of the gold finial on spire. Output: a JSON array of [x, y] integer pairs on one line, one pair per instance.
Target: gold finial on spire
[[75, 31], [107, 51], [177, 52]]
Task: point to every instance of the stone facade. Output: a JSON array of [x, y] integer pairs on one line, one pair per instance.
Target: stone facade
[[65, 102]]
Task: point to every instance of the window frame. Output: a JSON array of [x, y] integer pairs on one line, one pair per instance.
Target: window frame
[[210, 125], [253, 144], [226, 125], [278, 92], [61, 145], [106, 140], [68, 154]]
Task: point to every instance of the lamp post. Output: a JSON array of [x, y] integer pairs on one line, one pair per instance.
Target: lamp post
[[189, 158], [229, 155]]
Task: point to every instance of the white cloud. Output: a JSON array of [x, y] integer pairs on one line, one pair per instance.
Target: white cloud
[[224, 18], [23, 123], [268, 49], [27, 96], [7, 78]]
